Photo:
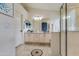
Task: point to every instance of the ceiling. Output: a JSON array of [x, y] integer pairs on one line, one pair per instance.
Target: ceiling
[[43, 6], [46, 10]]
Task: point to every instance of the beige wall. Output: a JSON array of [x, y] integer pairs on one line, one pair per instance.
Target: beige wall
[[55, 44], [63, 43], [73, 43], [7, 35], [10, 31], [20, 15]]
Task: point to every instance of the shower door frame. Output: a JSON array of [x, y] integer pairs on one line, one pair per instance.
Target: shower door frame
[[65, 5]]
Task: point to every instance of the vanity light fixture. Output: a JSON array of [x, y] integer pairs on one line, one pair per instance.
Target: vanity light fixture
[[37, 17]]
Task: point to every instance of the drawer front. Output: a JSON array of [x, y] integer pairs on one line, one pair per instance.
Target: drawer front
[[38, 37]]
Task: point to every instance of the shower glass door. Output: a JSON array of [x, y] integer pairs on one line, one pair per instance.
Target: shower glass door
[[69, 29], [73, 29]]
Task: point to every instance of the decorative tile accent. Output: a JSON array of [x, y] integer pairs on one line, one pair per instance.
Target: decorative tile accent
[[7, 9]]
